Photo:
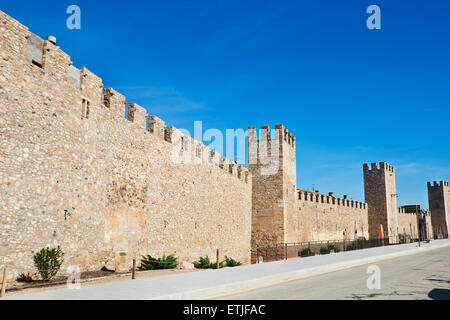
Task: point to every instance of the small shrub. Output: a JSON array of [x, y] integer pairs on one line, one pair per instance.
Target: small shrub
[[205, 263], [230, 262], [332, 247], [48, 261], [401, 238], [324, 250], [150, 263], [306, 253], [25, 277]]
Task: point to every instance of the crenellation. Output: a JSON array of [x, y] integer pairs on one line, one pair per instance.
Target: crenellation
[[56, 62], [332, 214], [265, 133], [168, 134], [131, 194], [90, 86], [175, 184], [233, 169], [214, 157], [156, 127], [115, 102], [13, 38], [439, 204], [137, 115], [35, 50]]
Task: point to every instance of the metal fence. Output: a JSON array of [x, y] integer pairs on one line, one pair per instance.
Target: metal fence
[[283, 251]]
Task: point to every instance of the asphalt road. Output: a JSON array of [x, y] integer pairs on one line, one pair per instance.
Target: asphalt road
[[420, 276]]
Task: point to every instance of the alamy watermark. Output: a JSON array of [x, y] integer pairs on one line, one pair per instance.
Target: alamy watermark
[[374, 20], [73, 22], [374, 280], [74, 279], [207, 147]]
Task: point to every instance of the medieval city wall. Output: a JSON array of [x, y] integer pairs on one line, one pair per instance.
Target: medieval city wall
[[407, 223], [75, 172], [330, 217], [428, 224], [381, 198], [268, 214], [439, 203], [284, 214]]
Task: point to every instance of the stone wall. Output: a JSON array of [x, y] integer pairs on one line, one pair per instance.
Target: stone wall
[[268, 216], [381, 197], [325, 217], [426, 216], [407, 223], [74, 172], [439, 203], [284, 214]]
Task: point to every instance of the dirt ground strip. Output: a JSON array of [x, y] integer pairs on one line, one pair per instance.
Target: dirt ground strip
[[87, 278]]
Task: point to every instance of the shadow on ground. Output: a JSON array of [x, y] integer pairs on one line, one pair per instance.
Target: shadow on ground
[[439, 294], [379, 295]]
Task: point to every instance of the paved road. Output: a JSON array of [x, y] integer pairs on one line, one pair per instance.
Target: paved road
[[422, 276], [211, 283]]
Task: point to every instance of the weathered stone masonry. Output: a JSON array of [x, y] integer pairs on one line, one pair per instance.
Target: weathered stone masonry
[[74, 172], [284, 214], [439, 202]]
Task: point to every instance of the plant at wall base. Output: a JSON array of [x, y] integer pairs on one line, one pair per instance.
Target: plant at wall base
[[150, 263], [401, 238], [324, 250], [25, 277], [306, 253], [332, 247], [230, 262], [205, 263], [48, 261]]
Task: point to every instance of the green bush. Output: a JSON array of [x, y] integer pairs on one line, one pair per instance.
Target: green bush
[[230, 262], [401, 238], [332, 247], [48, 261], [205, 263], [25, 277], [324, 250], [306, 253], [150, 263]]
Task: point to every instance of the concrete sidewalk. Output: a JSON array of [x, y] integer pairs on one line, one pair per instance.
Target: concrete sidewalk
[[211, 283]]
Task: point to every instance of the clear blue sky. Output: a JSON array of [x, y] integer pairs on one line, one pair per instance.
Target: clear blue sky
[[349, 95]]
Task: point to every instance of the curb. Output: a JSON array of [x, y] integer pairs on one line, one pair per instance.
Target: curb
[[248, 285]]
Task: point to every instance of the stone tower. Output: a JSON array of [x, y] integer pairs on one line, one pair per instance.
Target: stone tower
[[439, 202], [272, 163], [381, 197]]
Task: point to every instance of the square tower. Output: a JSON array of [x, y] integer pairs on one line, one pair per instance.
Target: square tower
[[439, 202], [272, 163], [381, 197]]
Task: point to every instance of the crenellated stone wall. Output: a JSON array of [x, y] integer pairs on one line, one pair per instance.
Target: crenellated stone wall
[[75, 172], [284, 214], [439, 202], [331, 218]]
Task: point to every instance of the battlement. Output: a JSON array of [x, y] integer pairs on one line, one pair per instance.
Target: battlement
[[439, 184], [403, 210], [310, 196], [281, 135], [138, 115], [382, 167], [192, 151], [44, 57]]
